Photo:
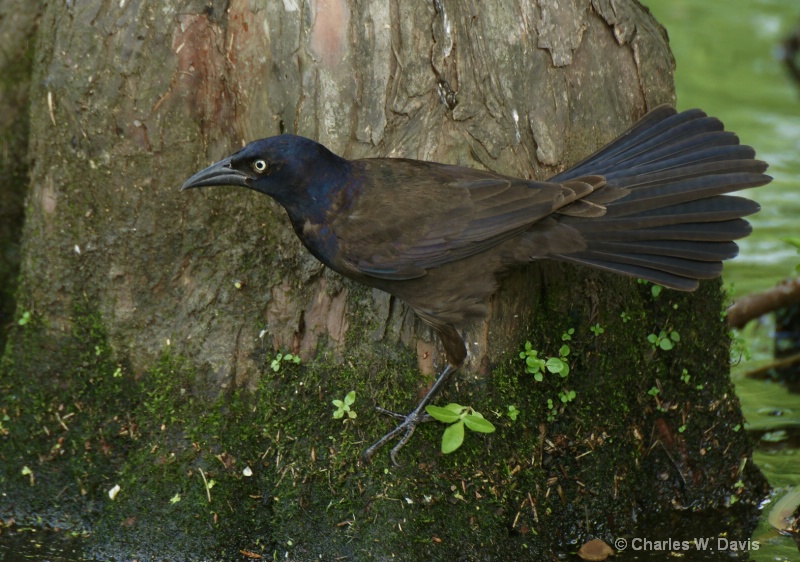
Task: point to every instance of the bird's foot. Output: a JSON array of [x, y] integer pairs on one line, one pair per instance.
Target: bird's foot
[[407, 427], [412, 420]]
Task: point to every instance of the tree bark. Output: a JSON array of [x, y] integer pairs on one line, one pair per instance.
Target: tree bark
[[153, 309], [17, 28]]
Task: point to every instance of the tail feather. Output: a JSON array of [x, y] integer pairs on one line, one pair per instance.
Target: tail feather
[[667, 217], [664, 195], [649, 128], [680, 216], [691, 269], [707, 161], [700, 232], [682, 283], [689, 249]]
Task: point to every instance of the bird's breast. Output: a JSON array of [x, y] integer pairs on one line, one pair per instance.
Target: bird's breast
[[320, 240]]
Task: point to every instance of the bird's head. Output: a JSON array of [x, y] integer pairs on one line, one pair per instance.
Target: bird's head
[[294, 170]]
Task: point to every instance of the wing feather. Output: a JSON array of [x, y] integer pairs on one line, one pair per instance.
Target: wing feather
[[440, 214]]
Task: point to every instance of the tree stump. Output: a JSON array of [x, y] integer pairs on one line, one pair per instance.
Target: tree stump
[[149, 358]]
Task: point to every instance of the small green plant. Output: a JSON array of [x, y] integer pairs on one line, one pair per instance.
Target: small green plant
[[513, 412], [280, 358], [552, 411], [739, 348], [26, 471], [596, 329], [685, 376], [554, 408], [682, 428], [458, 417], [655, 392], [625, 317], [663, 340], [343, 406], [566, 336], [655, 290], [794, 241], [25, 318], [536, 365], [567, 396], [533, 363]]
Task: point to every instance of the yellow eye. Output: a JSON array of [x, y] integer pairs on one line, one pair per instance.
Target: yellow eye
[[260, 166]]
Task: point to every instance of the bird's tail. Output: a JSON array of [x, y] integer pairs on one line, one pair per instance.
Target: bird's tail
[[667, 219]]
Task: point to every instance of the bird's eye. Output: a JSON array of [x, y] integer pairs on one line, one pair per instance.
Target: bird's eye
[[260, 166]]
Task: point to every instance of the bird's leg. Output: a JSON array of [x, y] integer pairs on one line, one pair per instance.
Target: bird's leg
[[412, 420]]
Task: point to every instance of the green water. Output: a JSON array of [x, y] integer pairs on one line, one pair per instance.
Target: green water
[[727, 64], [726, 53]]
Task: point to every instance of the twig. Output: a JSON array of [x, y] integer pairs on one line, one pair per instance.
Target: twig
[[752, 306]]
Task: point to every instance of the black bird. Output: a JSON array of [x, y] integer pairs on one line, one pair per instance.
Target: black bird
[[651, 205]]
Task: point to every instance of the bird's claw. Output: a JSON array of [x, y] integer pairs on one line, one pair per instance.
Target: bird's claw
[[409, 425]]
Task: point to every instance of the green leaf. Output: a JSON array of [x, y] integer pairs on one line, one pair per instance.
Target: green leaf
[[665, 344], [443, 415], [793, 240], [539, 377], [534, 362], [455, 408], [675, 336], [555, 365], [350, 398], [338, 414], [337, 403], [478, 424], [453, 437], [351, 414], [656, 290], [564, 351]]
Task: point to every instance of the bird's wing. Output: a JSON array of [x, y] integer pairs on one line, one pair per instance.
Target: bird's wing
[[411, 216]]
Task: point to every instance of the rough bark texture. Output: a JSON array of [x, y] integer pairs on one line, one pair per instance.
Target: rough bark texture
[[17, 27], [153, 309]]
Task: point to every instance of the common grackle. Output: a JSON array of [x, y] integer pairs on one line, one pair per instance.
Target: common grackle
[[651, 205]]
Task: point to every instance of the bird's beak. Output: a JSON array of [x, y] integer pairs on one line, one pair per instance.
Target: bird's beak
[[220, 173]]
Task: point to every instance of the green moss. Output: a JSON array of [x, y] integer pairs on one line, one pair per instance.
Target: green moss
[[169, 442]]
